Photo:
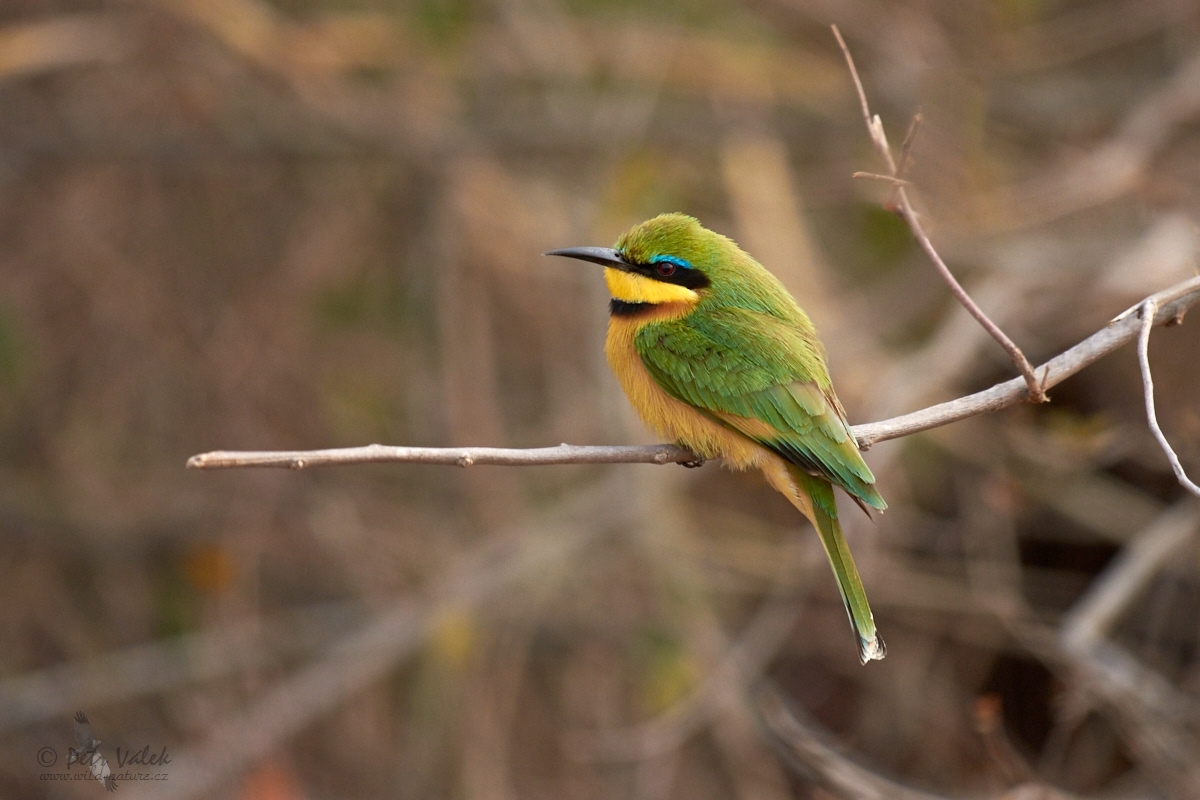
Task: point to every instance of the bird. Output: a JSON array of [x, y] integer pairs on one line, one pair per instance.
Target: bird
[[715, 354], [88, 753]]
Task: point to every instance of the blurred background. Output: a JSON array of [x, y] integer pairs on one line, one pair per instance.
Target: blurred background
[[287, 224]]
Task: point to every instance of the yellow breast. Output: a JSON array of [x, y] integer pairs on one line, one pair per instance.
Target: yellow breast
[[672, 419]]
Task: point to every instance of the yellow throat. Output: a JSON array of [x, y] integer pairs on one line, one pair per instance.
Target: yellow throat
[[629, 287]]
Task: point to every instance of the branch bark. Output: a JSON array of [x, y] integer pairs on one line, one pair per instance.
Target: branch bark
[[1171, 305]]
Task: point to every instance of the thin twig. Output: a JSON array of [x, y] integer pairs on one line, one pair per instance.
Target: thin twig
[[906, 155], [906, 147], [1149, 312], [1036, 389], [1123, 329], [875, 176]]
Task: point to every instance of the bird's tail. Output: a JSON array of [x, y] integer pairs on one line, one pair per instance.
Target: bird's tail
[[824, 519]]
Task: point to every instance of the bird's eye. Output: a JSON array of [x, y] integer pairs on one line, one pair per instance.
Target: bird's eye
[[665, 269]]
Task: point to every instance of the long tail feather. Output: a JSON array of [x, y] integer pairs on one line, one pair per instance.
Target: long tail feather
[[824, 518]]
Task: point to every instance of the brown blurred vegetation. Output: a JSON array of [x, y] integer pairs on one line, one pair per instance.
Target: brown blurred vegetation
[[307, 223]]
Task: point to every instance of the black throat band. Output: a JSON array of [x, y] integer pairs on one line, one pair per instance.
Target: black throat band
[[619, 308]]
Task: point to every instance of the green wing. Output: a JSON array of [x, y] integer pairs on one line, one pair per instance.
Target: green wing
[[742, 364]]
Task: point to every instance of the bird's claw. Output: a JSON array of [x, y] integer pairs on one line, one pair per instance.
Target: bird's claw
[[699, 462]]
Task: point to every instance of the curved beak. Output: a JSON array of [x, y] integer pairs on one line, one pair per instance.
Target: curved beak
[[605, 256]]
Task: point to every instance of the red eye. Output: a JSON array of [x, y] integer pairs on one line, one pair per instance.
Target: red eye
[[665, 268]]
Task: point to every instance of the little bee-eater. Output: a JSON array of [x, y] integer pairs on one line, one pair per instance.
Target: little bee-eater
[[716, 355]]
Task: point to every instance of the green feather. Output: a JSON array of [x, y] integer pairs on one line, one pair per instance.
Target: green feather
[[870, 643], [750, 364]]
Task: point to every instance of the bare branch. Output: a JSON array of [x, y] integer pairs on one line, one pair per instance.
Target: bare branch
[[1149, 311], [1036, 388], [1172, 303], [452, 456]]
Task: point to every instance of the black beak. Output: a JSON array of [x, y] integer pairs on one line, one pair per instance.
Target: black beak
[[605, 256]]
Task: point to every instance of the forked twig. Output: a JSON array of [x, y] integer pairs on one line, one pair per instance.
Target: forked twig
[[1036, 389]]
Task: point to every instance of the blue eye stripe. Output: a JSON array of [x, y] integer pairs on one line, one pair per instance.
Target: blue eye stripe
[[679, 262]]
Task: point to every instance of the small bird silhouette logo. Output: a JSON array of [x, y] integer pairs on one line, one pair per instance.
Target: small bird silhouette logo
[[89, 753]]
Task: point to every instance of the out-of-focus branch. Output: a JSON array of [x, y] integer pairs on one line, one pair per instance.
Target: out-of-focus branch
[[368, 653], [1036, 388], [1116, 167], [27, 48], [1090, 618], [166, 665], [1149, 310], [802, 746], [742, 665], [1171, 303], [988, 716], [1087, 30], [1156, 717]]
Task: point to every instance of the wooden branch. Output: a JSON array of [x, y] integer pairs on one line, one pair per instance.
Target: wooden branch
[[1036, 388], [1172, 304], [452, 456]]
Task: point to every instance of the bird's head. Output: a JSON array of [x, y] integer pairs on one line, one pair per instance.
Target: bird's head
[[670, 259]]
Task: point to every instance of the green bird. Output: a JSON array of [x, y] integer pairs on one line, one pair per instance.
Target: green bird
[[714, 354]]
